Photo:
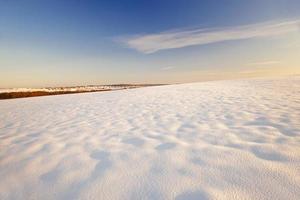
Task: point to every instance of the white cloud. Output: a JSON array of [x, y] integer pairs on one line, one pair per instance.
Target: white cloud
[[253, 71], [166, 68], [269, 62], [182, 38]]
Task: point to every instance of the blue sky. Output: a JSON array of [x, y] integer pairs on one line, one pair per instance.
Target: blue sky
[[57, 42]]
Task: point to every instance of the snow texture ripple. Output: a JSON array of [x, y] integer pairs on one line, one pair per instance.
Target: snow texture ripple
[[235, 139]]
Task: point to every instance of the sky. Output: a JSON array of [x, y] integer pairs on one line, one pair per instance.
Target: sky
[[81, 42]]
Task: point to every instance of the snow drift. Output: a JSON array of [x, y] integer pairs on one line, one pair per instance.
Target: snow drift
[[235, 139]]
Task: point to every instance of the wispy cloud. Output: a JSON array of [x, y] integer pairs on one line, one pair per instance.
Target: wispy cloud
[[151, 43], [166, 68], [253, 71], [269, 62]]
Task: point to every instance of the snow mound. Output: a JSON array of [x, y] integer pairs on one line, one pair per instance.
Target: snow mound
[[235, 139]]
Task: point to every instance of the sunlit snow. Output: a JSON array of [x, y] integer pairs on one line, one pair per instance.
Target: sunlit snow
[[236, 139]]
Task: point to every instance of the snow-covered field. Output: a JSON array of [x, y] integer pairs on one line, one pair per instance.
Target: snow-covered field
[[72, 89], [215, 140]]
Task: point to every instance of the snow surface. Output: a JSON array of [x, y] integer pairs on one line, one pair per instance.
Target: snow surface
[[235, 139]]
